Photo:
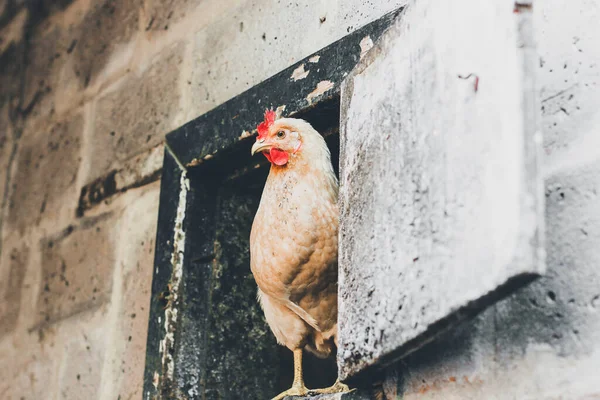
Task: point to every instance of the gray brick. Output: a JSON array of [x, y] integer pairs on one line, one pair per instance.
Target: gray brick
[[138, 115], [43, 185], [77, 269], [107, 25], [138, 225], [29, 371], [12, 273], [84, 360], [47, 55], [162, 14]]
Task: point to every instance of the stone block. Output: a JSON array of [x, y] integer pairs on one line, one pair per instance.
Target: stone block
[[29, 372], [354, 395], [70, 50], [43, 185], [12, 274], [136, 116], [162, 14], [440, 196], [77, 269], [85, 346], [48, 52], [136, 259], [106, 28]]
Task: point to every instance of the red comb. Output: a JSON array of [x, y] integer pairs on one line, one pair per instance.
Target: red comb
[[263, 127]]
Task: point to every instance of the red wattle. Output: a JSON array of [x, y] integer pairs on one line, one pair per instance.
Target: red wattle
[[268, 157], [279, 157]]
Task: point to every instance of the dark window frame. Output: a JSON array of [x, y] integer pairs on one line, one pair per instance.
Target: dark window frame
[[200, 156]]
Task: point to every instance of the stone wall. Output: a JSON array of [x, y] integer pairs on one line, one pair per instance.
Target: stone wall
[[88, 89]]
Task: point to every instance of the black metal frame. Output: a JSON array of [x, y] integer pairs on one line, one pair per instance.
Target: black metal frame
[[201, 157]]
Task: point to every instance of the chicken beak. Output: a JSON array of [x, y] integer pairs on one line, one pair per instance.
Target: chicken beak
[[259, 146]]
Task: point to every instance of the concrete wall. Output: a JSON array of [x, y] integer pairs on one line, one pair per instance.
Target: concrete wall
[[89, 88], [544, 341]]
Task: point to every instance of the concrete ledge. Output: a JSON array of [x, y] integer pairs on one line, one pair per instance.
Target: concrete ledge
[[356, 395]]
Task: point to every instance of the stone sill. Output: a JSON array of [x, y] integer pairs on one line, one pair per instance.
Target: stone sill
[[356, 395]]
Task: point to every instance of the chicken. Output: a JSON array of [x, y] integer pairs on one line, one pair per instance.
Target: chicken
[[294, 242]]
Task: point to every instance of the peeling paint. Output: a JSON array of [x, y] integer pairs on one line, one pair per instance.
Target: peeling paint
[[365, 45], [195, 162], [245, 134], [321, 88], [299, 73], [171, 311], [314, 59], [155, 379], [279, 111]]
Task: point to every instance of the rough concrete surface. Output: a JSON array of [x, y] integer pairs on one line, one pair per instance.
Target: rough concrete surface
[[64, 289], [542, 342], [12, 276], [60, 59], [44, 177], [440, 205], [131, 293], [135, 116], [108, 25]]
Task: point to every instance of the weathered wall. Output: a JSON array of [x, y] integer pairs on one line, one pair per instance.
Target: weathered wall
[[544, 341], [88, 89], [452, 205]]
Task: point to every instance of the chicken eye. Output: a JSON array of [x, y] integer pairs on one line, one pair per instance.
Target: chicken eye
[[281, 134]]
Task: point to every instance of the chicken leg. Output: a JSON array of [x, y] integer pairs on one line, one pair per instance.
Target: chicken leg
[[298, 388]]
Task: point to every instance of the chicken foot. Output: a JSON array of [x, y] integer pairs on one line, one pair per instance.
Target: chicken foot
[[337, 387], [298, 388]]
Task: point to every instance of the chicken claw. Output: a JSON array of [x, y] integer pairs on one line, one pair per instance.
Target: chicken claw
[[337, 387], [298, 388]]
